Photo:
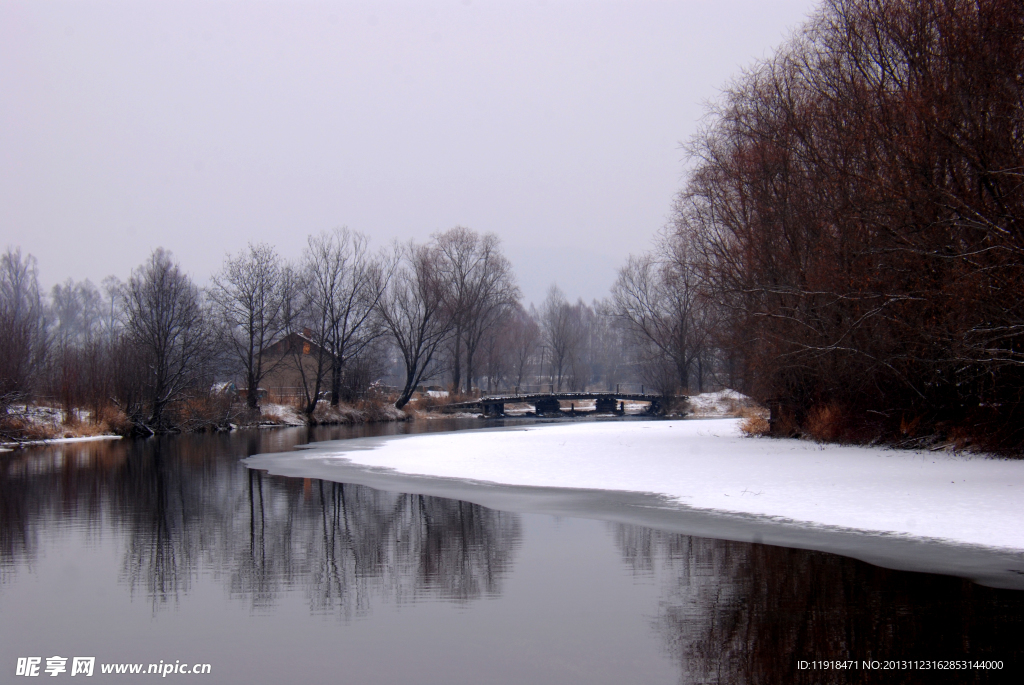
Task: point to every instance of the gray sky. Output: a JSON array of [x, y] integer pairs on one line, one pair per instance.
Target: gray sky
[[199, 126]]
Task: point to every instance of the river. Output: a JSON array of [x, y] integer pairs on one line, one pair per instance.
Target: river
[[170, 551]]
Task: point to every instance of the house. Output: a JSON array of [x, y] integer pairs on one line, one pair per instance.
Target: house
[[292, 366]]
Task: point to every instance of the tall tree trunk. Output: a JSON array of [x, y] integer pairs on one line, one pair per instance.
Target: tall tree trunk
[[457, 359], [335, 382], [469, 369], [252, 398]]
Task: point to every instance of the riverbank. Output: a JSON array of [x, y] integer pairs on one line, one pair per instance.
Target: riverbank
[[42, 425], [39, 425]]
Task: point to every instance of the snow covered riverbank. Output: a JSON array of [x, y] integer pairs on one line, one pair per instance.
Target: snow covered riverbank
[[931, 512], [7, 446], [709, 465]]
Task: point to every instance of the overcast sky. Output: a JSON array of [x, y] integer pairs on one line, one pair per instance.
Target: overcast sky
[[200, 126]]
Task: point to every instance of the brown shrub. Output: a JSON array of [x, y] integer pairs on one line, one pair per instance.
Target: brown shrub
[[754, 421], [426, 402], [381, 409], [325, 414], [825, 422], [113, 420], [363, 411], [18, 428], [86, 429], [755, 425]]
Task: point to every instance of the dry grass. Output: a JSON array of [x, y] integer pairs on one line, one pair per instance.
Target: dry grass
[[17, 428], [833, 422], [425, 402], [380, 410], [364, 411], [205, 411], [43, 424], [86, 429], [113, 420], [755, 421], [826, 423], [195, 414], [341, 414]]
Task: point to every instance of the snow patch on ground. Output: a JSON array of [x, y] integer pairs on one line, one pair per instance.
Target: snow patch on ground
[[54, 441], [718, 404], [433, 415], [44, 416], [708, 465], [287, 415], [44, 425], [281, 414]]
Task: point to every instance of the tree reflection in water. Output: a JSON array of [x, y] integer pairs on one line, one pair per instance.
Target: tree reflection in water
[[347, 543], [185, 505], [735, 612], [178, 507]]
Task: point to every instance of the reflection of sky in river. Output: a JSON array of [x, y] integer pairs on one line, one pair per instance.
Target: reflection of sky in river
[[171, 549]]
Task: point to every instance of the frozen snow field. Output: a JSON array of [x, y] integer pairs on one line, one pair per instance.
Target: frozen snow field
[[710, 465], [931, 512]]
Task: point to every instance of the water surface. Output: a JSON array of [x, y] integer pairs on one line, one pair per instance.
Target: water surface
[[171, 549]]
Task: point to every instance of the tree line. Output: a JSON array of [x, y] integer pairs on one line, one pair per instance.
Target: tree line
[[846, 249], [850, 227], [158, 350]]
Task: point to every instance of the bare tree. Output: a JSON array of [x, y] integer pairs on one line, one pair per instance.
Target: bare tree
[[77, 310], [496, 295], [76, 350], [522, 338], [413, 309], [657, 299], [495, 358], [479, 288], [508, 348], [608, 346], [560, 323], [166, 325], [342, 286], [113, 306], [857, 202], [23, 338], [248, 296]]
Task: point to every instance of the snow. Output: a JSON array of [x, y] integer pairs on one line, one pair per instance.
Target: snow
[[56, 441], [45, 420], [41, 415], [434, 416], [282, 413], [722, 403], [708, 465]]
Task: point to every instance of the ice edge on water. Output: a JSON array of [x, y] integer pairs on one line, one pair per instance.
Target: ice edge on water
[[678, 475]]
